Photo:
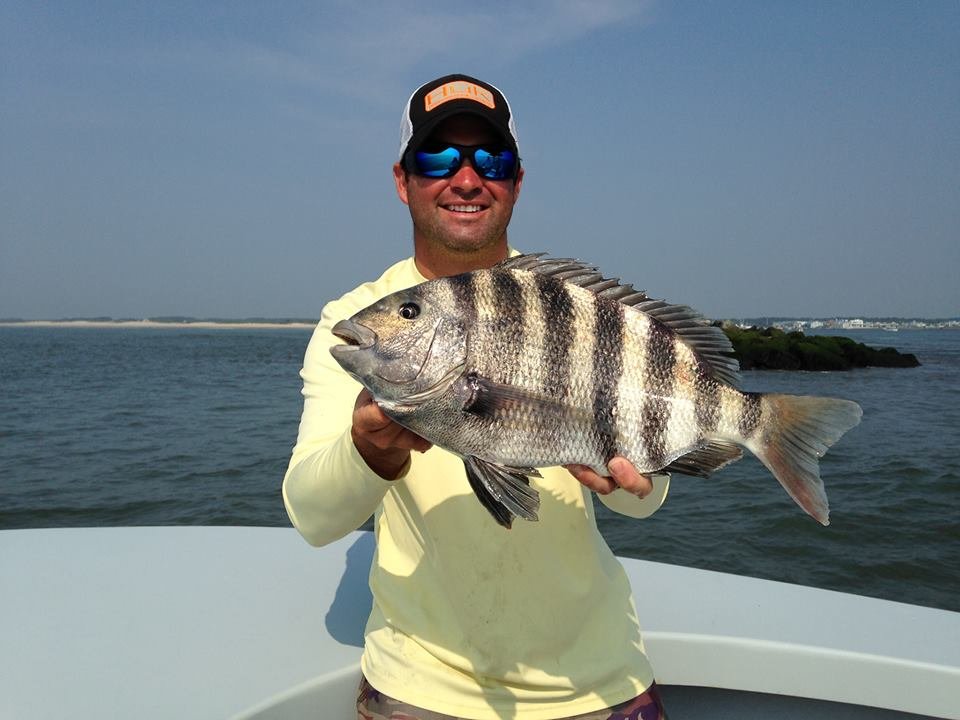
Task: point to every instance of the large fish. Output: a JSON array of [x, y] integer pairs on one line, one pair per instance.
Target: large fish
[[539, 362]]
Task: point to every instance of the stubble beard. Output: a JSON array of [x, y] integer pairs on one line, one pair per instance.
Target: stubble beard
[[461, 241]]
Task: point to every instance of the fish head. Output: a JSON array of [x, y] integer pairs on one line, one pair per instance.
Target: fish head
[[404, 348]]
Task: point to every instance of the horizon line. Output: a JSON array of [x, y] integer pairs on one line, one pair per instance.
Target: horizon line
[[285, 320]]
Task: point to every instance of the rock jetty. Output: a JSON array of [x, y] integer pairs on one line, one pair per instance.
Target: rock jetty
[[773, 349]]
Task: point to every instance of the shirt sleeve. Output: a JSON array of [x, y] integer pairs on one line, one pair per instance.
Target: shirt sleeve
[[620, 501], [328, 489]]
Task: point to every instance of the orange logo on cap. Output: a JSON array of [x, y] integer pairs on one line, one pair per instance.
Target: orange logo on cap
[[458, 90]]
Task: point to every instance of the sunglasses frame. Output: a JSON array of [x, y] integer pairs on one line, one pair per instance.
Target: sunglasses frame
[[465, 151]]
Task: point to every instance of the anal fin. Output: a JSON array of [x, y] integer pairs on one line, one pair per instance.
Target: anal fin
[[706, 460], [504, 491]]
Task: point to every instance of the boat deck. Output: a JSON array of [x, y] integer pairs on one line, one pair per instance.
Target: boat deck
[[201, 622]]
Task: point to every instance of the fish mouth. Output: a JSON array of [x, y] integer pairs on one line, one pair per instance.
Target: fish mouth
[[356, 336]]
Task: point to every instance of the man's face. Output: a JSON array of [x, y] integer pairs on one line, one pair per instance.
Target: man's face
[[464, 212]]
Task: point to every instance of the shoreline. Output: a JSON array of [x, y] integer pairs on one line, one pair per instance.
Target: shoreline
[[259, 324], [157, 324]]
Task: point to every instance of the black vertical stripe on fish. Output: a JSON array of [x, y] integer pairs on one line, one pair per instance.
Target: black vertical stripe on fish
[[464, 297], [658, 385], [509, 300], [558, 314], [707, 402], [749, 415], [607, 369]]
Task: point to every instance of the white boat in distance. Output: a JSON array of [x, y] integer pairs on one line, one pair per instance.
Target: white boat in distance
[[252, 623]]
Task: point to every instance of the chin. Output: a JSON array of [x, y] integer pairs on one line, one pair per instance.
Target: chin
[[473, 241]]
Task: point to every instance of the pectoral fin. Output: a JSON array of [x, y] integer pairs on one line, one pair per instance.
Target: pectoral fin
[[488, 399], [504, 491]]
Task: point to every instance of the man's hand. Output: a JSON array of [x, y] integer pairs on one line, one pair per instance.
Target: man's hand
[[622, 474], [383, 445]]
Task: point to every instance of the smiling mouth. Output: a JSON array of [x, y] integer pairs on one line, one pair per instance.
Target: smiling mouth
[[464, 208]]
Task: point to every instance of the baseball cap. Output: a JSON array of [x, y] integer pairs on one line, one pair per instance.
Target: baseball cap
[[435, 101]]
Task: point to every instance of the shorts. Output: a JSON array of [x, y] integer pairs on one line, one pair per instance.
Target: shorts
[[374, 705]]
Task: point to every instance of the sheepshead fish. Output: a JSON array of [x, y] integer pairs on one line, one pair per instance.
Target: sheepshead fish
[[539, 362]]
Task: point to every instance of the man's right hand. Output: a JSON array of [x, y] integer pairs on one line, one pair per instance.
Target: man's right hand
[[383, 444]]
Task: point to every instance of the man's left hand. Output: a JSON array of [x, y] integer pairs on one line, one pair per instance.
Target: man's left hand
[[622, 474]]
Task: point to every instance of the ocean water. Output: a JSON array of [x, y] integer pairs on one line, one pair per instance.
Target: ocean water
[[186, 426]]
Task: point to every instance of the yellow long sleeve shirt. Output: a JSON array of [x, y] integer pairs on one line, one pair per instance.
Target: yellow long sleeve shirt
[[468, 619]]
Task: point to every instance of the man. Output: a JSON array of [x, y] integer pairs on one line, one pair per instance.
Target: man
[[469, 620]]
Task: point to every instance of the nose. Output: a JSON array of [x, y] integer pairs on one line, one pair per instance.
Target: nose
[[466, 181]]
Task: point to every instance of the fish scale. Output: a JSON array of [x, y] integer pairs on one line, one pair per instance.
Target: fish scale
[[540, 362]]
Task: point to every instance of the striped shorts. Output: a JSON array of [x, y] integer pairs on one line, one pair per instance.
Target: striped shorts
[[374, 705]]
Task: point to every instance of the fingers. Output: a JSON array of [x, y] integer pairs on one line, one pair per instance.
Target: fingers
[[596, 482], [622, 474], [372, 426], [627, 477], [383, 444]]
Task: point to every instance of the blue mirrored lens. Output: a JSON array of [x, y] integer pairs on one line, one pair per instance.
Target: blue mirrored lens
[[494, 166], [438, 164]]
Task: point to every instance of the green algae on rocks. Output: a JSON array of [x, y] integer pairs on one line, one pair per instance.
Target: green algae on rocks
[[773, 349]]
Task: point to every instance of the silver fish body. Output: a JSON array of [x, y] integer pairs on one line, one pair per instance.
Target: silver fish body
[[540, 362]]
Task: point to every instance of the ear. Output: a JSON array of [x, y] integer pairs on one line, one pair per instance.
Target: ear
[[517, 183], [400, 178]]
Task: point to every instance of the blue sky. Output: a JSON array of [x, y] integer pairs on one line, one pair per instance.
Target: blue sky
[[232, 159]]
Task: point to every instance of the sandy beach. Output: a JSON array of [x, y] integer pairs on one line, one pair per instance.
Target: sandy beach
[[199, 324]]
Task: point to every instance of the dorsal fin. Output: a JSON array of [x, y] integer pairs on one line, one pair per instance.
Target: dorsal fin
[[708, 341]]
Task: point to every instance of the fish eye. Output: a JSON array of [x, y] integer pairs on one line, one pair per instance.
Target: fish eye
[[409, 310]]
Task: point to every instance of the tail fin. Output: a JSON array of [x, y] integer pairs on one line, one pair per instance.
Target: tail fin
[[801, 430]]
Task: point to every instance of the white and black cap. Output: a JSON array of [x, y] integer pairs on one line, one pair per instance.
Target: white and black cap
[[450, 95]]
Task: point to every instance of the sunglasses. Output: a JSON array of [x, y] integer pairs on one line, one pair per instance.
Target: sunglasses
[[443, 161]]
